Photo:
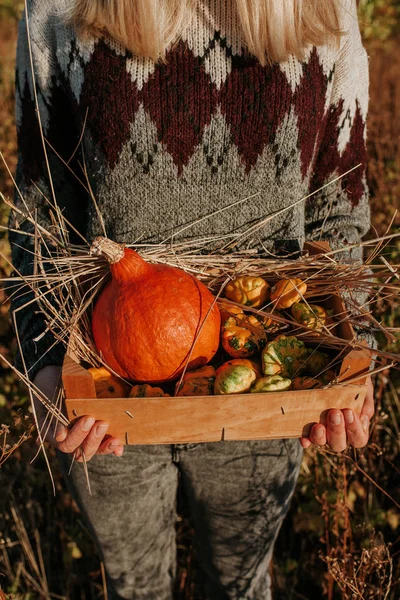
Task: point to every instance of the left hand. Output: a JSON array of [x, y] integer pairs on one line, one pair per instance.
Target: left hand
[[344, 427]]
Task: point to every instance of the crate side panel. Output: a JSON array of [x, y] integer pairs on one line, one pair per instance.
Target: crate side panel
[[216, 418]]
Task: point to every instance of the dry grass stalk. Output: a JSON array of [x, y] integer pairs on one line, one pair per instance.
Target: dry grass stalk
[[364, 577]]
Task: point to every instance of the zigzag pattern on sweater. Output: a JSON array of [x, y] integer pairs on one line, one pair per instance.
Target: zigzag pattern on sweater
[[181, 96]]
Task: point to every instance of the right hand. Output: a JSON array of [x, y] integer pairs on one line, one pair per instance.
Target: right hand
[[86, 435]]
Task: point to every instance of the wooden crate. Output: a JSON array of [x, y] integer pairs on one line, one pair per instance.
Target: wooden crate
[[193, 419]]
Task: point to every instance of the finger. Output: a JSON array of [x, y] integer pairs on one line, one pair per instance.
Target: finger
[[111, 445], [77, 434], [94, 438], [305, 442], [60, 433], [357, 435], [368, 407], [336, 431], [318, 434]]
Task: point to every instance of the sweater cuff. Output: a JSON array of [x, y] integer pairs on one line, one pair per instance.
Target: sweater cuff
[[38, 354]]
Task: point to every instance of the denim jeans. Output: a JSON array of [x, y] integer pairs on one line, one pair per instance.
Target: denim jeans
[[238, 494]]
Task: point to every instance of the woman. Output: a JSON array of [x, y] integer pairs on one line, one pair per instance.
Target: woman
[[186, 107]]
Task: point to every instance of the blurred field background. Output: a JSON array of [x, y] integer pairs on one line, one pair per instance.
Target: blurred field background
[[341, 538]]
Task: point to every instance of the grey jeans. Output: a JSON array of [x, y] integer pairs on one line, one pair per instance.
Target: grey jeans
[[238, 494]]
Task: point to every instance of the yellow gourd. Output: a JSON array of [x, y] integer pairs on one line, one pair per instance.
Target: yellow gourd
[[287, 291], [251, 364], [285, 356], [248, 290], [311, 315], [108, 385], [273, 383], [233, 379]]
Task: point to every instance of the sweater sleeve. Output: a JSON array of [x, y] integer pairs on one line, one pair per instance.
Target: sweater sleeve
[[340, 214], [55, 104]]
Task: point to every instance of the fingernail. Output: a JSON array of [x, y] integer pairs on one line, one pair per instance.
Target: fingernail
[[60, 433], [349, 416], [335, 418], [101, 430], [88, 424], [318, 432], [114, 444], [365, 423]]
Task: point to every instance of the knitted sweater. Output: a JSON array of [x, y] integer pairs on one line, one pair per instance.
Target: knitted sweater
[[165, 144]]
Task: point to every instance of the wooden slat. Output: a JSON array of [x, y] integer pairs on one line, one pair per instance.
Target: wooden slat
[[315, 248], [355, 364], [216, 418], [77, 381]]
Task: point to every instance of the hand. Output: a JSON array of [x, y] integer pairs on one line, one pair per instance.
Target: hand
[[344, 426], [86, 436]]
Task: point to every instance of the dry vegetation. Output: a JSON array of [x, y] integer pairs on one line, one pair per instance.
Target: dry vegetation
[[341, 537]]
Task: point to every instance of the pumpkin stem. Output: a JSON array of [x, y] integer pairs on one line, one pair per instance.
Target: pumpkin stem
[[125, 263], [110, 250]]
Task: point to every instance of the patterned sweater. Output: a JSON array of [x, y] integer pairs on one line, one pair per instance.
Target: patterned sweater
[[167, 143]]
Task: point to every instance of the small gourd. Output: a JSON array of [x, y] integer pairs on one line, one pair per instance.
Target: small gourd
[[287, 291], [229, 310], [272, 383], [108, 385], [311, 316], [248, 290], [272, 326], [306, 383], [197, 383], [146, 391], [316, 362], [327, 376], [251, 364], [285, 356], [233, 379], [242, 340]]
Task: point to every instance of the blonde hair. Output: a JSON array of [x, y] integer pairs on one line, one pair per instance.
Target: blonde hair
[[272, 29]]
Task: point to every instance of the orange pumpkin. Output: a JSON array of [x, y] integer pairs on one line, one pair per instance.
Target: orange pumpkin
[[248, 290], [108, 385], [151, 319], [287, 291]]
